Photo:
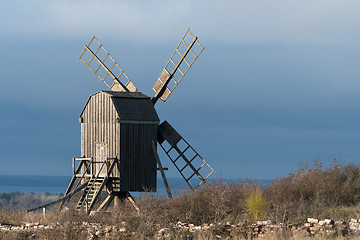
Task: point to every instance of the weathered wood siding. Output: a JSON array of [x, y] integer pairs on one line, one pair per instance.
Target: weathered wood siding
[[100, 126]]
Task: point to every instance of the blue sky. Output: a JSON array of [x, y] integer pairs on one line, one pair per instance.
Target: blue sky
[[277, 84]]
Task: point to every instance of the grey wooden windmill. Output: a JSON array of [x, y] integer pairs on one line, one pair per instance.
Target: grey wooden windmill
[[120, 128]]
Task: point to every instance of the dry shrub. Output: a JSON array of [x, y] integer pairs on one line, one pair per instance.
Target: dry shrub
[[152, 217], [12, 217], [213, 203], [11, 235], [310, 191], [218, 202], [64, 231]]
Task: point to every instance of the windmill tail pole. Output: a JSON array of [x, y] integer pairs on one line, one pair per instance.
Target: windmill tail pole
[[161, 171], [59, 199]]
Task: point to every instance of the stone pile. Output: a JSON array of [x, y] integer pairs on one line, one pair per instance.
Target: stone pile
[[260, 229], [263, 229], [323, 227], [354, 225], [94, 230]]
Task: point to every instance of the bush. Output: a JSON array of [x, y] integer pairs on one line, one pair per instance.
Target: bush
[[256, 204], [311, 190]]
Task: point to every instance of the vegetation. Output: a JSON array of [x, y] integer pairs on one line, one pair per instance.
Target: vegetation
[[314, 191], [16, 200], [256, 205]]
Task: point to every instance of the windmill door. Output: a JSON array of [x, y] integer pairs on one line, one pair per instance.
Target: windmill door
[[101, 154]]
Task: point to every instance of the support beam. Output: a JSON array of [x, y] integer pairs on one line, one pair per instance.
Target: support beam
[[119, 198], [132, 201], [161, 171], [105, 204]]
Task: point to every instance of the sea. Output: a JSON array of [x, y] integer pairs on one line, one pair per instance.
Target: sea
[[58, 184]]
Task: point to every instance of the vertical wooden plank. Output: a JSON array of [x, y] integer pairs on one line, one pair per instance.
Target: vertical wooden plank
[[87, 137], [103, 112], [144, 157], [105, 119], [109, 133], [130, 157], [93, 130], [86, 130], [84, 137], [100, 109], [138, 166], [112, 134], [82, 153], [126, 147], [98, 125], [119, 140], [86, 125], [135, 155], [141, 167]]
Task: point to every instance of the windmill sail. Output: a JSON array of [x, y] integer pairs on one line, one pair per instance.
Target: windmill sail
[[192, 167], [184, 56], [98, 59]]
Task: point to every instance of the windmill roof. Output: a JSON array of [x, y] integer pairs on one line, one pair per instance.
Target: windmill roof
[[125, 94], [133, 106]]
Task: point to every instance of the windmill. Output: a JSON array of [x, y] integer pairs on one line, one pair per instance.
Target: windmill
[[120, 130]]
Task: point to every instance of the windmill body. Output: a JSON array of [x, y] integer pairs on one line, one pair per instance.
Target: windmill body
[[120, 130], [120, 125]]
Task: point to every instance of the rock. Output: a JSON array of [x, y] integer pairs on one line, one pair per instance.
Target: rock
[[339, 223], [353, 220], [98, 232], [322, 223], [206, 227], [307, 225], [267, 222], [312, 220], [197, 227], [329, 221]]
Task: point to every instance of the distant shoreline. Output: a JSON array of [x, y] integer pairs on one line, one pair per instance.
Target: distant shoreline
[[58, 184]]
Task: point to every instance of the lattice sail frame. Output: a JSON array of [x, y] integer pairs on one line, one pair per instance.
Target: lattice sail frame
[[116, 85], [167, 133], [167, 76]]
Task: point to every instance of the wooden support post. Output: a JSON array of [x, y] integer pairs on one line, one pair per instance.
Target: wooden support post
[[105, 203], [119, 199], [161, 171], [131, 200]]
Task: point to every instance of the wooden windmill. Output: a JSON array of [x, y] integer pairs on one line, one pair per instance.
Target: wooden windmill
[[120, 130]]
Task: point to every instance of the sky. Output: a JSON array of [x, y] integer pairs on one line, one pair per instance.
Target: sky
[[276, 86]]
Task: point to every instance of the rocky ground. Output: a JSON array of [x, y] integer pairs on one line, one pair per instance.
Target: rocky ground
[[312, 228]]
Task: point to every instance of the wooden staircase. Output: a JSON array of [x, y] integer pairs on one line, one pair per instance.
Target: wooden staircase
[[94, 188], [90, 193]]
